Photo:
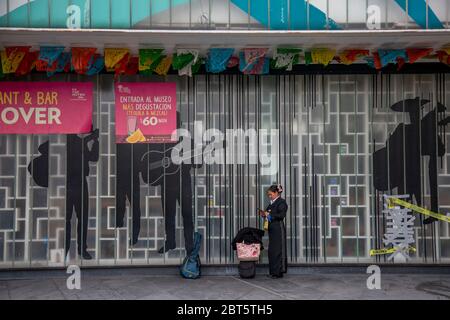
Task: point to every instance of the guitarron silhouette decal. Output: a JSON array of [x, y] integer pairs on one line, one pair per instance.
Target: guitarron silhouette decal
[[398, 164]]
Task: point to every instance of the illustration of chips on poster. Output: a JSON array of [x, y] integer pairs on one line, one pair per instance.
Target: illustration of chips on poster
[[145, 112]]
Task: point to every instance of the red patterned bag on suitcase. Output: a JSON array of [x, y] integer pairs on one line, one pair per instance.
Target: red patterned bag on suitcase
[[248, 252]]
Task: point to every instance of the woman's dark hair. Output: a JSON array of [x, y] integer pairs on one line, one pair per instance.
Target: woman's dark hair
[[275, 188]]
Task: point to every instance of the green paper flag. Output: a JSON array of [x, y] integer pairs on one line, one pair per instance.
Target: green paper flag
[[186, 61], [308, 58], [285, 58], [149, 59]]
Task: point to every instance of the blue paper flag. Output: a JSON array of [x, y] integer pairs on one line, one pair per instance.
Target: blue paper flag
[[218, 59], [96, 65], [391, 56], [50, 54]]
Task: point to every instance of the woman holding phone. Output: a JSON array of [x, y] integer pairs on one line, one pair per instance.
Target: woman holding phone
[[275, 214]]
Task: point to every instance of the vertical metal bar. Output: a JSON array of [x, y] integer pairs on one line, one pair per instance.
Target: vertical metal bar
[[386, 14], [307, 15], [328, 15], [8, 13], [208, 170], [247, 115], [291, 133], [426, 12], [170, 14], [220, 210], [99, 177], [340, 166], [28, 14], [447, 14], [406, 13], [209, 14], [150, 20], [130, 19], [436, 135], [248, 14], [30, 205], [116, 231], [366, 13], [289, 14], [229, 15], [325, 171], [49, 3], [346, 14], [268, 14], [194, 83], [83, 179], [16, 169], [356, 165]]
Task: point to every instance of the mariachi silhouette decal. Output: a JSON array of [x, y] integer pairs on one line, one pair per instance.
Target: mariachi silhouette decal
[[79, 155], [152, 163], [397, 165]]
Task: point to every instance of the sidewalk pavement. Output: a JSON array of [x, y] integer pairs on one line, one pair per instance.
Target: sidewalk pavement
[[230, 287]]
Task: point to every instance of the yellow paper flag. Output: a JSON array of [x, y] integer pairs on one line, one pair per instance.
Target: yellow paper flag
[[322, 56], [164, 66], [11, 63], [114, 56]]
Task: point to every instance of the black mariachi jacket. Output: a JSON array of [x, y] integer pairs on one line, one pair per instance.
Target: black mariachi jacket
[[278, 209]]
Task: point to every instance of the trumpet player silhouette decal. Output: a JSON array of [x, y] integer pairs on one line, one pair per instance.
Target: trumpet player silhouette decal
[[398, 164]]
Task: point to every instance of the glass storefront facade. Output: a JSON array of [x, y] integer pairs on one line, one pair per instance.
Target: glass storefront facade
[[329, 128], [341, 145]]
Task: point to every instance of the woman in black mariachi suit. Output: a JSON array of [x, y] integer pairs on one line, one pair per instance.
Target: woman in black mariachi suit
[[276, 212]]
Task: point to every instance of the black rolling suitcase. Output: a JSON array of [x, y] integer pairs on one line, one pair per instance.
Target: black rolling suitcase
[[247, 269]]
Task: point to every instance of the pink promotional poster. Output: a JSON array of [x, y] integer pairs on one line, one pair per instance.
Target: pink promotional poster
[[45, 107], [145, 112]]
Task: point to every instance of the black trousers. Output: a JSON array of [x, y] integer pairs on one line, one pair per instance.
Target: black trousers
[[277, 248], [77, 198], [133, 194], [170, 191]]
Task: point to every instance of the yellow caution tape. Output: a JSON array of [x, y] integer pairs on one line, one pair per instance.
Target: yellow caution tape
[[392, 201], [374, 252]]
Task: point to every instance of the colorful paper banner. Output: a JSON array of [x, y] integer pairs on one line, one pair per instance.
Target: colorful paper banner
[[322, 56], [81, 59], [218, 58], [349, 56], [285, 58], [164, 66], [114, 56], [27, 64], [12, 57], [254, 61], [186, 61], [149, 59]]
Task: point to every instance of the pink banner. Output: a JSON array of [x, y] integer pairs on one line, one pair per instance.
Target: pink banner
[[145, 112], [45, 107]]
